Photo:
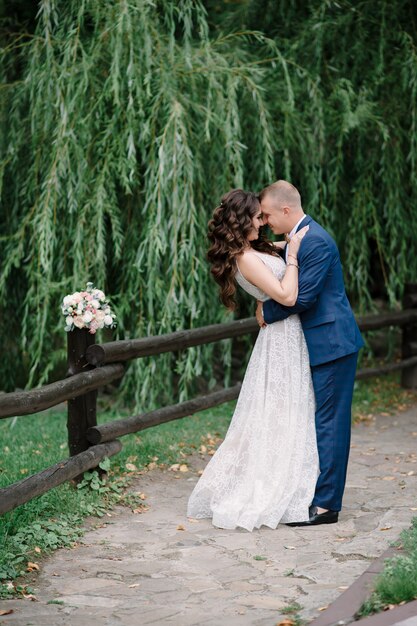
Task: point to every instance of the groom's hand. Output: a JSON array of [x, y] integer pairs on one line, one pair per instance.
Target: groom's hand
[[259, 316]]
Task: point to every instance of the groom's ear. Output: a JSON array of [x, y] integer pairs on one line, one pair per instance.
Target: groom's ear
[[285, 210]]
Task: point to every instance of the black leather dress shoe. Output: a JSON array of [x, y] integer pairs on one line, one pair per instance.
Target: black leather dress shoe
[[329, 517]]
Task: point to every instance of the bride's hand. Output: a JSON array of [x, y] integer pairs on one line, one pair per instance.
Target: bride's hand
[[296, 239]]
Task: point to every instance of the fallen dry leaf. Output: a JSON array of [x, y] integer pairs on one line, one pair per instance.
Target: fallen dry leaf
[[183, 468], [193, 521], [211, 452], [413, 508], [200, 472], [134, 585], [323, 608], [180, 527], [141, 509], [285, 622], [152, 465], [289, 547], [142, 496], [174, 468], [386, 528], [388, 478], [31, 566], [131, 467], [38, 550], [7, 612]]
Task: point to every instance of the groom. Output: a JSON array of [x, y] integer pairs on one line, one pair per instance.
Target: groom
[[332, 336]]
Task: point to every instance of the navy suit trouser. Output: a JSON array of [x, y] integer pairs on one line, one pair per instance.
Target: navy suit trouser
[[333, 387]]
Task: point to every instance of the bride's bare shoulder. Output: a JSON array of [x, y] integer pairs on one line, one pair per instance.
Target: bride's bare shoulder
[[247, 256]]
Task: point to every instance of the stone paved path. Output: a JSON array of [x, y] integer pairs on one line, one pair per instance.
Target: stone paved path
[[142, 569]]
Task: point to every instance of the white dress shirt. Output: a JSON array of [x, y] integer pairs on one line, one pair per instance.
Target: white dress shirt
[[291, 234]]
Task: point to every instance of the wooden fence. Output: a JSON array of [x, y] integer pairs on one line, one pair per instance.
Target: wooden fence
[[91, 366]]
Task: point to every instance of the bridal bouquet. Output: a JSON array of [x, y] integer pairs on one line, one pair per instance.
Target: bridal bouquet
[[87, 309]]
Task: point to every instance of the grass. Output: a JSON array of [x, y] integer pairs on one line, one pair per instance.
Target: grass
[[29, 444], [397, 583]]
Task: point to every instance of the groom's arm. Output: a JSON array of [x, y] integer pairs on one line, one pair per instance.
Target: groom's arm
[[314, 261]]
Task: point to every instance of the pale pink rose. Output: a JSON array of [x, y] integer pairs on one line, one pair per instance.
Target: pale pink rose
[[69, 320], [100, 315], [87, 317], [92, 331], [95, 304], [84, 293], [77, 297], [88, 297], [78, 322], [108, 320], [99, 294]]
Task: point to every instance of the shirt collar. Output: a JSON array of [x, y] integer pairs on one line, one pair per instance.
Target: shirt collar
[[294, 230]]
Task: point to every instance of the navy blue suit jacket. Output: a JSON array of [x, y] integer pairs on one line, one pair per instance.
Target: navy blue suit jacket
[[327, 319]]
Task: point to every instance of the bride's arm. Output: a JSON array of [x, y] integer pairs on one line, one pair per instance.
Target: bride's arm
[[259, 274], [284, 291]]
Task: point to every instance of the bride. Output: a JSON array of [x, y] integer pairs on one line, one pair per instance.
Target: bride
[[265, 470]]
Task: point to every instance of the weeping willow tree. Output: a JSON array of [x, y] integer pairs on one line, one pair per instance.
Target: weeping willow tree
[[124, 122], [126, 126]]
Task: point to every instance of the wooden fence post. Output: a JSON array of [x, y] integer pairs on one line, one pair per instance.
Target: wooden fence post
[[82, 411], [409, 343]]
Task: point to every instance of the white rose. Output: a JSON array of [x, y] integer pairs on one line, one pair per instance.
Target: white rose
[[95, 304], [68, 301], [87, 317], [69, 320], [108, 320]]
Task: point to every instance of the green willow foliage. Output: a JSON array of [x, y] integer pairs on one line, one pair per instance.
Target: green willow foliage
[[127, 125], [124, 122]]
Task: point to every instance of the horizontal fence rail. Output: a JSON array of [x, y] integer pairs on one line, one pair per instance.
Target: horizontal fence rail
[[370, 372], [37, 484], [124, 350], [118, 428], [27, 402], [382, 320]]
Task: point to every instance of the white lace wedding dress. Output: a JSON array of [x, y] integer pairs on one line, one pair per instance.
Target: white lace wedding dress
[[265, 470]]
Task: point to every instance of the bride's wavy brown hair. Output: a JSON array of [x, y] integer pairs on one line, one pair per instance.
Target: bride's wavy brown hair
[[228, 232]]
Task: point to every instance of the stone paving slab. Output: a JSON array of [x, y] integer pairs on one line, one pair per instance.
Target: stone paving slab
[[141, 569]]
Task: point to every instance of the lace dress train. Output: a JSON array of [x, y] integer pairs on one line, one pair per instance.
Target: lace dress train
[[265, 470]]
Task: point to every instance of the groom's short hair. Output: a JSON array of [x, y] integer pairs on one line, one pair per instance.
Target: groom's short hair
[[283, 192]]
